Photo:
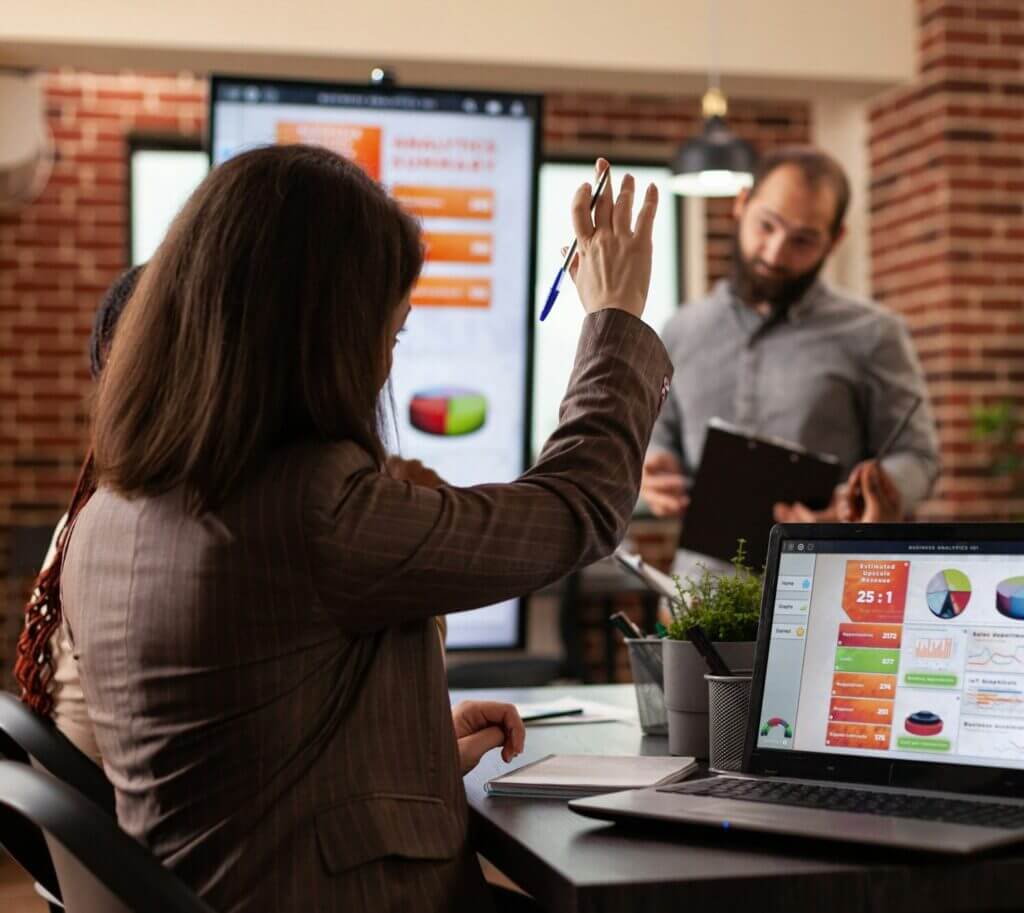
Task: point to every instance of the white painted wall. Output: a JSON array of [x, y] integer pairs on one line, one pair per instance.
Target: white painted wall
[[659, 44]]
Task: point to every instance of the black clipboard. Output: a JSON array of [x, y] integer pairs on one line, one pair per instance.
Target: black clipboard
[[740, 478]]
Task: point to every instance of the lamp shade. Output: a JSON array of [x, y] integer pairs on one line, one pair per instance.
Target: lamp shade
[[714, 164]]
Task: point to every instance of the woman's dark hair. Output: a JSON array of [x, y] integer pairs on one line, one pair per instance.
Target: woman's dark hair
[[262, 320], [33, 667], [107, 316]]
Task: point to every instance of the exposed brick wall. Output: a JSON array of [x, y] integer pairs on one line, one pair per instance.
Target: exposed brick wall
[[59, 255], [947, 226]]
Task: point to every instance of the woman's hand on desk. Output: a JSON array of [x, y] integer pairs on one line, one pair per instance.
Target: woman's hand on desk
[[483, 725]]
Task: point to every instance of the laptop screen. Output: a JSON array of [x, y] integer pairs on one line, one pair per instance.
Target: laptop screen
[[897, 650]]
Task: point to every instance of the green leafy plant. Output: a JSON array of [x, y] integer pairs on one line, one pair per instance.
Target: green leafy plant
[[997, 425], [727, 607]]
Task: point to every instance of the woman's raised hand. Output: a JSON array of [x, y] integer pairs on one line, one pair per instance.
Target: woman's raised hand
[[612, 266]]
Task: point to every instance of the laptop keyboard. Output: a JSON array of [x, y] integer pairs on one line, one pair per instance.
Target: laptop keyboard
[[862, 801]]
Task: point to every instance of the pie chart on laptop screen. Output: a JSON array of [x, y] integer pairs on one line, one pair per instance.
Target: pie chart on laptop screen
[[1010, 598], [948, 593]]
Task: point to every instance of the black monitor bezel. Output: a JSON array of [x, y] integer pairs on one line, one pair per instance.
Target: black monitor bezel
[[534, 110], [960, 778]]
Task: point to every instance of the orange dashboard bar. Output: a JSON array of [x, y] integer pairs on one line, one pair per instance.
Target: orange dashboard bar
[[858, 735], [445, 202], [866, 710], [860, 684], [437, 291], [458, 248], [357, 142]]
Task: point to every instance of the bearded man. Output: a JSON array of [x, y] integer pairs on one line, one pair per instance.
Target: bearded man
[[776, 351]]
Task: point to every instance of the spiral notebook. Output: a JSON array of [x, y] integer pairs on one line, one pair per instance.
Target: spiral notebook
[[570, 776]]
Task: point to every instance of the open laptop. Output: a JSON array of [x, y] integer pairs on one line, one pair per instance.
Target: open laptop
[[887, 704]]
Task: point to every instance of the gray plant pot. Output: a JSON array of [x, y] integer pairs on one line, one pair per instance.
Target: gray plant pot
[[686, 692]]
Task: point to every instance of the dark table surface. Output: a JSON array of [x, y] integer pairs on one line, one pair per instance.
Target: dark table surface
[[572, 863]]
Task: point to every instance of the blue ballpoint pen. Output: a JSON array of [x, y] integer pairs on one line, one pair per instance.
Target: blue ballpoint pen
[[556, 285]]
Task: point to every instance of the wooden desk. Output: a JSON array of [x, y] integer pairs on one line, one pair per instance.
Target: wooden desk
[[570, 863]]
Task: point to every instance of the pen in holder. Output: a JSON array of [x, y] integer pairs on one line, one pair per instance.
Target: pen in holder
[[648, 674], [712, 657], [649, 683]]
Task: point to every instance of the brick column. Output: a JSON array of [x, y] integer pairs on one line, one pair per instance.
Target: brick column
[[947, 225]]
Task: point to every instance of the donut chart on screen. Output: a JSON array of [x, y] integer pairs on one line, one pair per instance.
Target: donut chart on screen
[[448, 411], [948, 593], [1010, 598], [923, 722]]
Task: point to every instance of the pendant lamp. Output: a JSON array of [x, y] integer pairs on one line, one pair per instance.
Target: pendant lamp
[[717, 163]]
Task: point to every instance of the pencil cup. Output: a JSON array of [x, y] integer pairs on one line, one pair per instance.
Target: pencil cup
[[686, 692], [649, 681], [729, 705]]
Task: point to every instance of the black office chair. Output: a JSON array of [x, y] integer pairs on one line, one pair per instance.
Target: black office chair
[[110, 871], [24, 737], [23, 730]]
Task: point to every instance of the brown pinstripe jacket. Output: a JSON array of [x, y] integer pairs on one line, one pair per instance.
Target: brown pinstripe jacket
[[265, 680]]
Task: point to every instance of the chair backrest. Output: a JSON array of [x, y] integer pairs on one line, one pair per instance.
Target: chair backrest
[[25, 737], [125, 876], [53, 751], [22, 840]]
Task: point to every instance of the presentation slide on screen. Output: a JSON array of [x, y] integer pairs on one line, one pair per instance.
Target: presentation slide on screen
[[459, 378], [901, 655], [555, 340]]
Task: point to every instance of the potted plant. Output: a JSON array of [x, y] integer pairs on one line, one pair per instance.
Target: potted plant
[[727, 607]]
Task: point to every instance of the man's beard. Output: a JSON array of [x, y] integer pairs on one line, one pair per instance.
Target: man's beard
[[780, 292]]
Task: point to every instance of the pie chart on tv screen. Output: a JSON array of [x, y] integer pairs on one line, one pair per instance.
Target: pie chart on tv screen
[[448, 411], [948, 593]]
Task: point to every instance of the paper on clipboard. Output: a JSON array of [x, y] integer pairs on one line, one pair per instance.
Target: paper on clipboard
[[661, 583]]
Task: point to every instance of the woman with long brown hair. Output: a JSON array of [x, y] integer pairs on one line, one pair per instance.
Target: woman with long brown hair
[[250, 593]]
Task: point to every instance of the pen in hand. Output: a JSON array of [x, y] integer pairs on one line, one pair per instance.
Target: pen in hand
[[556, 285]]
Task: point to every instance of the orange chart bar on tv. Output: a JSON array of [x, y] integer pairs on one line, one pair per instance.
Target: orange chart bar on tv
[[445, 202], [437, 291], [357, 142], [458, 248]]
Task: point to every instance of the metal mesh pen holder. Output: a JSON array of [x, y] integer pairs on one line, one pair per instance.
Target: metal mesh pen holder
[[649, 680], [728, 707]]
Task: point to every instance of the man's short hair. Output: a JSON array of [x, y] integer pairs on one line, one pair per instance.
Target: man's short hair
[[817, 167]]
